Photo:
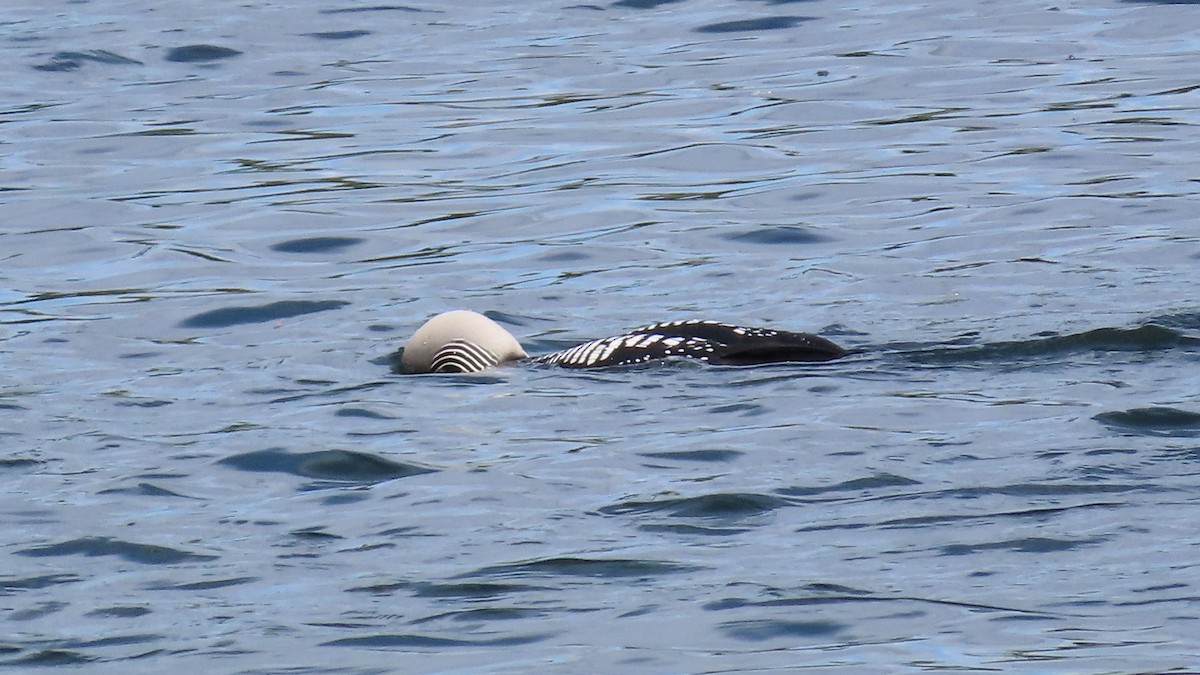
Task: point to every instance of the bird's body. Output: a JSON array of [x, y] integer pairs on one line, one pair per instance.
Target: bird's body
[[708, 341], [463, 342]]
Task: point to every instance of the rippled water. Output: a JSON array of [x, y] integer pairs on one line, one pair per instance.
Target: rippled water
[[216, 224]]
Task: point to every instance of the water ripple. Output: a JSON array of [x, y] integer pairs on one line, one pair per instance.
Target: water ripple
[[719, 505], [332, 465], [146, 554], [1153, 421], [200, 53], [234, 316], [995, 208], [585, 567]]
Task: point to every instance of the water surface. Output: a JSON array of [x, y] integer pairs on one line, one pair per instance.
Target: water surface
[[216, 226]]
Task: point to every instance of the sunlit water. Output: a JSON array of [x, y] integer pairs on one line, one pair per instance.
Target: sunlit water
[[216, 224]]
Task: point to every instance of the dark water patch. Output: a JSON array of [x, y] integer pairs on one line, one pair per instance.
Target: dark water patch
[[200, 53], [145, 403], [746, 409], [945, 113], [342, 497], [1023, 545], [1186, 321], [754, 25], [470, 591], [1191, 454], [1186, 600], [67, 61], [399, 531], [415, 641], [815, 596], [275, 391], [1022, 490], [37, 611], [585, 567], [759, 630], [316, 244], [203, 585], [315, 534], [334, 465], [718, 505], [117, 641], [780, 235], [697, 455], [1154, 421], [362, 413], [312, 382], [144, 490], [342, 624], [639, 611], [693, 530], [382, 588], [830, 594], [339, 34], [1100, 452], [1160, 587], [874, 482], [174, 131], [370, 547], [506, 318], [484, 614], [644, 4], [272, 311], [9, 586], [141, 355], [1037, 490], [17, 462], [565, 256], [1145, 338], [146, 554], [1037, 514], [120, 612], [374, 8], [50, 658]]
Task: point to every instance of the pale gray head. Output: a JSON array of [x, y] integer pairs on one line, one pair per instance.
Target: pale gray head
[[459, 342]]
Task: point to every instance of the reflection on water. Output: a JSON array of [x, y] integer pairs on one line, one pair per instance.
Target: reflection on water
[[217, 228]]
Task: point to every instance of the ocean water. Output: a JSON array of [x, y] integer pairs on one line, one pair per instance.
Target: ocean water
[[217, 224]]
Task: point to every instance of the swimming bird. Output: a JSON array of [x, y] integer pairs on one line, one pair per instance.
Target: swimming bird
[[462, 341]]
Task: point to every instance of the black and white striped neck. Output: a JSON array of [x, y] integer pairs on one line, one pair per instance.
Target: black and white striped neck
[[462, 356]]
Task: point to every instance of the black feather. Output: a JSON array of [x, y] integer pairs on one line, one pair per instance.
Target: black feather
[[708, 341]]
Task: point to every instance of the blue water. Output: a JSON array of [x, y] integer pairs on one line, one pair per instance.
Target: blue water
[[217, 224]]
